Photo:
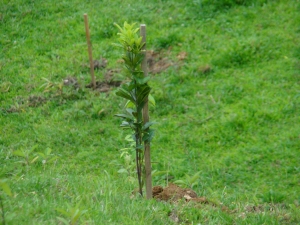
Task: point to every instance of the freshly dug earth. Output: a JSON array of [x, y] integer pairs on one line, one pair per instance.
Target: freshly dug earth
[[173, 193]]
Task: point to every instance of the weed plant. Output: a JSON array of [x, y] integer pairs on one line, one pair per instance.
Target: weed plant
[[234, 128]]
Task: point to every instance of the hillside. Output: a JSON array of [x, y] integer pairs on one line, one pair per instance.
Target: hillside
[[225, 78]]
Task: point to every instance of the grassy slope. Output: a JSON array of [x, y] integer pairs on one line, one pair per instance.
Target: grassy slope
[[248, 152]]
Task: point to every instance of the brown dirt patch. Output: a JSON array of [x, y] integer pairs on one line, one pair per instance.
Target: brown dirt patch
[[182, 56], [160, 61], [174, 193], [109, 74], [204, 69], [100, 64], [22, 103], [13, 109], [157, 61], [35, 101], [263, 208], [108, 83], [71, 81], [104, 86]]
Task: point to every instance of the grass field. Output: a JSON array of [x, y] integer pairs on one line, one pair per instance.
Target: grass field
[[229, 110]]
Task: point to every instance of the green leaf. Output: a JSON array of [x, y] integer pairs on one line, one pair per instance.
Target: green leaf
[[62, 211], [133, 137], [142, 94], [138, 75], [147, 125], [143, 80], [42, 155], [131, 111], [117, 45], [122, 171], [151, 99], [145, 137], [126, 125], [139, 147], [34, 159], [127, 61], [138, 124], [195, 177], [33, 148], [151, 135], [148, 136], [129, 104], [4, 186], [124, 116], [124, 94], [76, 213], [137, 59], [64, 221], [130, 86], [53, 159], [129, 138], [156, 173], [19, 153], [180, 182], [48, 151]]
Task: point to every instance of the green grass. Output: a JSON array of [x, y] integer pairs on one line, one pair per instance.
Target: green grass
[[238, 124]]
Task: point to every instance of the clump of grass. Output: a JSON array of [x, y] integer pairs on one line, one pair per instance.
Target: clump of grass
[[240, 54]]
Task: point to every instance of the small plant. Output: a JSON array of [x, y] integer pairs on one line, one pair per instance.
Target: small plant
[[27, 155], [190, 181], [4, 186], [136, 92], [50, 86], [127, 167], [128, 161], [5, 86], [69, 88], [47, 157], [72, 213]]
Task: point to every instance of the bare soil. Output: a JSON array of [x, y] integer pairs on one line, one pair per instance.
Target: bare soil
[[157, 61], [108, 83], [174, 193]]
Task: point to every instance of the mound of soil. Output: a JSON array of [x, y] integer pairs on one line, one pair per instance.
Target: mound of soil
[[174, 193]]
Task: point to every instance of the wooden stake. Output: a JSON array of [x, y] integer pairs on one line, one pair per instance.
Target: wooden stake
[[87, 32], [146, 119]]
